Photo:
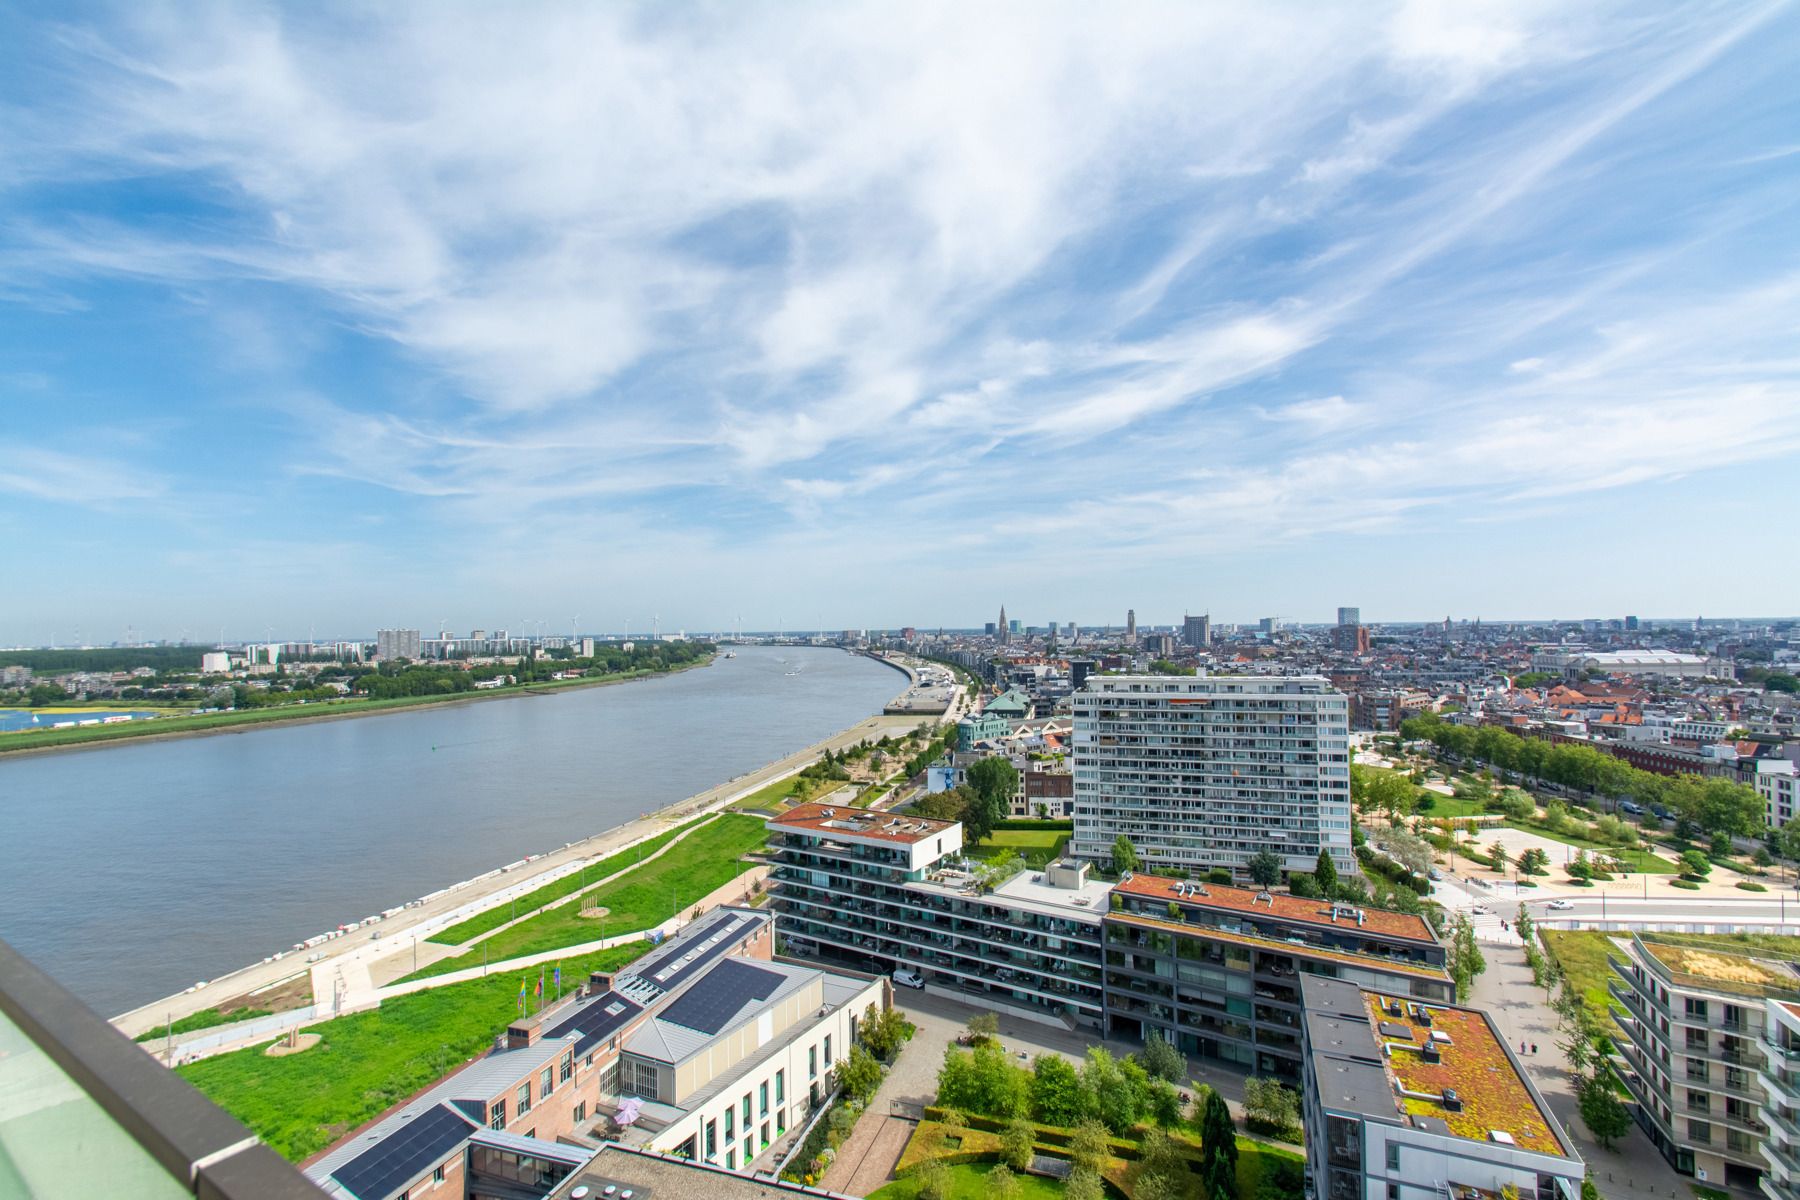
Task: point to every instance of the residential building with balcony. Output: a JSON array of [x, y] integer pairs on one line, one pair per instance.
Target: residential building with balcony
[[1692, 1036], [893, 891], [1205, 771], [1410, 1100], [1216, 970], [1212, 968], [1779, 1076]]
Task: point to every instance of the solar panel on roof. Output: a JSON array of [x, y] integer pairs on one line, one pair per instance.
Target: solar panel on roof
[[714, 1000], [404, 1155], [672, 976], [595, 1022]]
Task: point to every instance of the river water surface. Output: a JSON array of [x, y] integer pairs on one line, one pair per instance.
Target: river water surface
[[130, 871]]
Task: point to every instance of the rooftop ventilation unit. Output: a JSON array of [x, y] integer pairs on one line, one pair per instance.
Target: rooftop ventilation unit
[[1453, 1102]]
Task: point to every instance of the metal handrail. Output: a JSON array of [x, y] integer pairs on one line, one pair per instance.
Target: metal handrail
[[203, 1148]]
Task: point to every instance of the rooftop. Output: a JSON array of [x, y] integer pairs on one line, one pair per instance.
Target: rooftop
[[859, 822], [1348, 957], [1492, 1096], [1280, 905], [1722, 970], [652, 1175]]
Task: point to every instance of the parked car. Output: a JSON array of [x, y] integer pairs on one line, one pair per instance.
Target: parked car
[[1559, 905], [1631, 806], [1434, 874], [907, 977]]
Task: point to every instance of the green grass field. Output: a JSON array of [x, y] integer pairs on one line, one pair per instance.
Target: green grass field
[[1638, 860], [206, 1018], [776, 796], [1450, 808], [38, 739], [1036, 846], [369, 1061], [706, 859], [1583, 954], [493, 918], [968, 1181]]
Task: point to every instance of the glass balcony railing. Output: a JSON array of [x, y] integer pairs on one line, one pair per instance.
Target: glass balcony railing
[[85, 1112]]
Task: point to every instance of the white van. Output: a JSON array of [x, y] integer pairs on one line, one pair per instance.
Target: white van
[[907, 977]]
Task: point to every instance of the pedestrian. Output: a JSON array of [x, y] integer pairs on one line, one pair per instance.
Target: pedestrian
[[1521, 1047], [1534, 1047]]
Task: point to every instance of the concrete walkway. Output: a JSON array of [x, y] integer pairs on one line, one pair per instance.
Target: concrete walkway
[[1633, 1168]]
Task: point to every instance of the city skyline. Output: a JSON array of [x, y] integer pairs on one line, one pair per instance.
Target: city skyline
[[315, 316]]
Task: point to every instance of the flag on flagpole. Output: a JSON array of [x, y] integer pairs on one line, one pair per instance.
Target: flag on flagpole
[[559, 977], [521, 994]]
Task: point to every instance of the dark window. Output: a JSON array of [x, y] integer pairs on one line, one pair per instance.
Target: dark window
[[497, 1114]]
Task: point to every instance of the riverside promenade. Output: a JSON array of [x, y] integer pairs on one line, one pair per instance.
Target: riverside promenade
[[395, 934]]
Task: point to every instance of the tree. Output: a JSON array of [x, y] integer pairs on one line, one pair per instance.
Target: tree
[[1601, 1111], [1218, 1145], [1325, 875], [1497, 853], [885, 1031], [1580, 868], [1016, 1143], [1083, 1184], [935, 1182], [984, 1025], [1695, 863], [860, 1073], [1124, 855], [1524, 924], [1089, 1146], [1057, 1097], [993, 780], [1001, 1183], [1533, 862], [1271, 1108], [1162, 1060], [1465, 959], [1265, 868], [1160, 1172]]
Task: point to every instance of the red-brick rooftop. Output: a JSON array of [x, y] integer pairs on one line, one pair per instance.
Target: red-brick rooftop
[[846, 821], [1279, 905]]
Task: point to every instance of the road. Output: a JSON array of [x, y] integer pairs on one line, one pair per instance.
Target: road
[[395, 935]]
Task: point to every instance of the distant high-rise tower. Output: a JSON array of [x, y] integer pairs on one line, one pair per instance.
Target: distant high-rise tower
[[1349, 616], [1196, 631], [1002, 630], [1131, 625], [1631, 624]]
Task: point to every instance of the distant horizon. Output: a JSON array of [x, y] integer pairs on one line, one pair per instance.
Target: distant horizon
[[774, 312], [921, 628]]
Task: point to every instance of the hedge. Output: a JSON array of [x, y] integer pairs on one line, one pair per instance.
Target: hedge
[[926, 1143]]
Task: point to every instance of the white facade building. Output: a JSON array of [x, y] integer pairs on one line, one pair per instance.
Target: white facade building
[[1778, 785], [1205, 771]]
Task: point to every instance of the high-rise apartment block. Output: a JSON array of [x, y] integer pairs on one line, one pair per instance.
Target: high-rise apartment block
[[396, 643], [1349, 616], [1131, 625], [1196, 631], [1205, 771]]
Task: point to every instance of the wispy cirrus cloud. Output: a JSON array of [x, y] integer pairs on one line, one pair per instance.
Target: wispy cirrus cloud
[[720, 278]]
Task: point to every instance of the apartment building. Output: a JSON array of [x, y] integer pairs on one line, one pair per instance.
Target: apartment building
[[1779, 785], [1779, 1076], [1216, 970], [706, 1048], [1213, 968], [1411, 1100], [1205, 771], [1690, 1048], [893, 890]]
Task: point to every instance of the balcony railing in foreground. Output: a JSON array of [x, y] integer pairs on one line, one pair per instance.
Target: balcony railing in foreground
[[86, 1112]]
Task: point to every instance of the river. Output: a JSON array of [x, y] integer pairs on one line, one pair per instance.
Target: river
[[130, 871]]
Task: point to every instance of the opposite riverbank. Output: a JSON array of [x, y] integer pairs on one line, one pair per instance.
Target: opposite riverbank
[[90, 737]]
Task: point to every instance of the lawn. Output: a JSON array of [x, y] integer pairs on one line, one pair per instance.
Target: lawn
[[1583, 956], [1638, 860], [369, 1061], [1037, 846], [1449, 808], [705, 860], [493, 918], [776, 796], [968, 1181], [206, 1018], [1766, 945]]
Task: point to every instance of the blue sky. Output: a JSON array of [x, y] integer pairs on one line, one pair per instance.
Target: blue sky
[[330, 317]]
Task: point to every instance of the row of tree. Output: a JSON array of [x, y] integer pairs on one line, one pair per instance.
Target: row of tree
[[1714, 805]]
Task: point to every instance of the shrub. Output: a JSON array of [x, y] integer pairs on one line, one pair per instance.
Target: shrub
[[1748, 886], [1685, 885], [934, 1180]]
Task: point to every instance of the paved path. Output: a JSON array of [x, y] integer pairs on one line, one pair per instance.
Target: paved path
[[1633, 1168]]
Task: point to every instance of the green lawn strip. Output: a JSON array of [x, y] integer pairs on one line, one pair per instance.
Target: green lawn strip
[[206, 1018], [1639, 860], [1449, 808], [366, 1062], [968, 1181], [493, 918], [770, 797], [1259, 1160], [1583, 956], [705, 860], [39, 738], [1037, 845]]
